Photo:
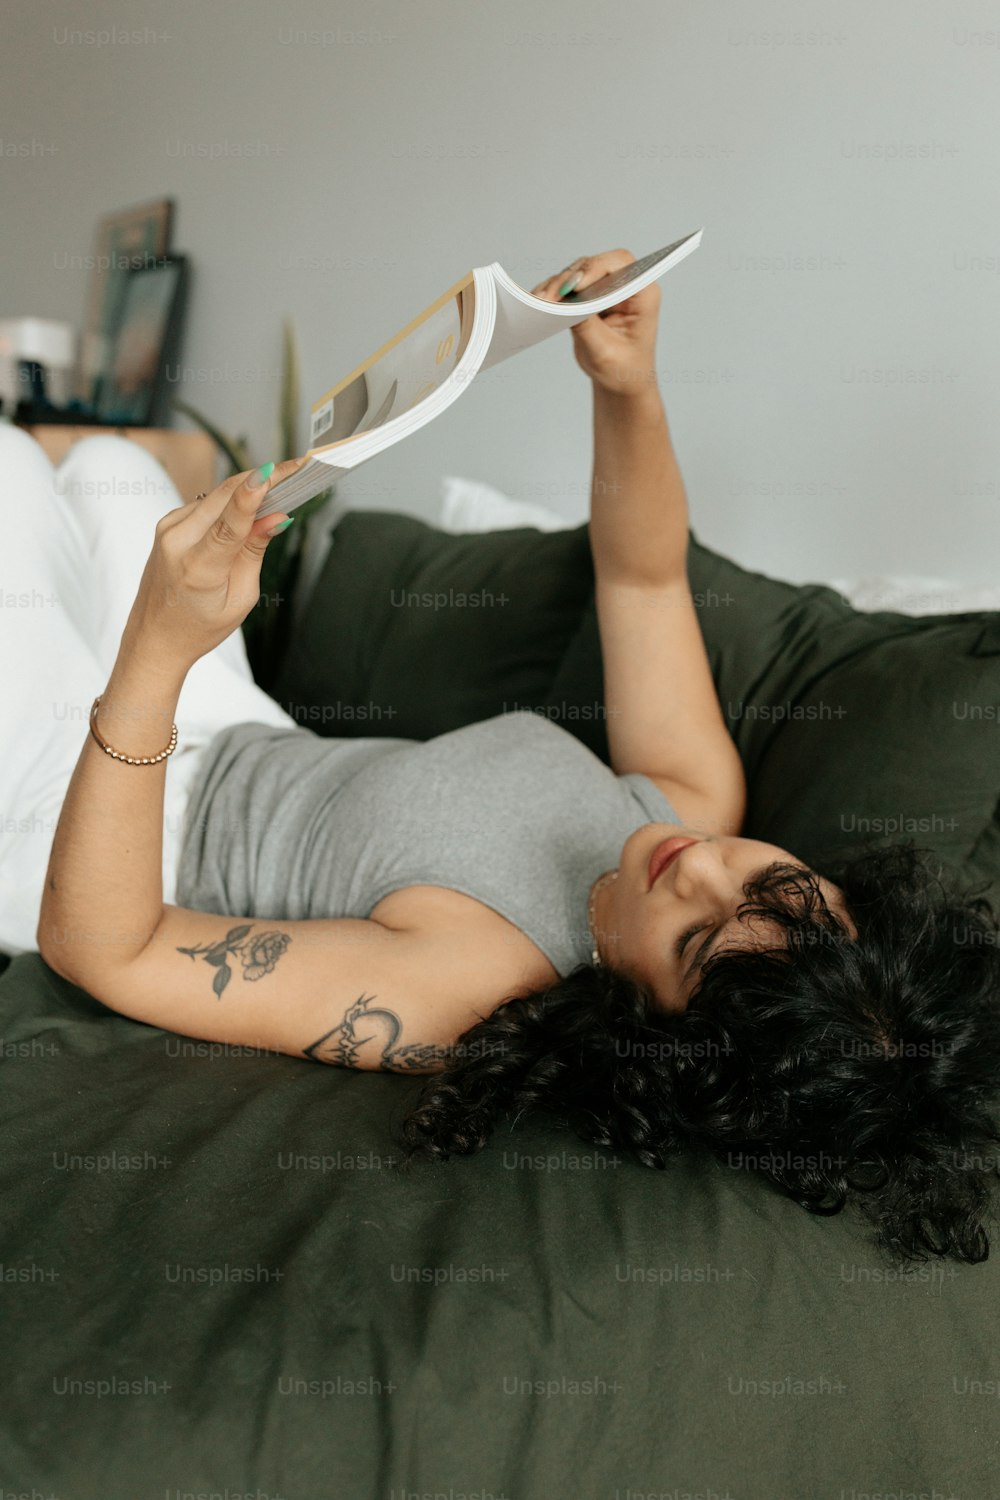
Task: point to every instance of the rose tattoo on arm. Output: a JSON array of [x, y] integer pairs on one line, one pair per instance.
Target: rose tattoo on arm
[[257, 954]]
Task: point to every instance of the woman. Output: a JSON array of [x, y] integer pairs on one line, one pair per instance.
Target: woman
[[497, 908]]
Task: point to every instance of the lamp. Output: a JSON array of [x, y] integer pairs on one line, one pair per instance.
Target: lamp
[[32, 350]]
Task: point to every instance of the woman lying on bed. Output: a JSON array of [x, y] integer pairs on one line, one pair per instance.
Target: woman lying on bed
[[498, 908]]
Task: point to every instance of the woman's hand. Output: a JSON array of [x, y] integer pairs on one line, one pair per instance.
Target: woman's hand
[[202, 577], [617, 348]]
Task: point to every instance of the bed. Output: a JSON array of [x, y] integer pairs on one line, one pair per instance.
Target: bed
[[219, 1279]]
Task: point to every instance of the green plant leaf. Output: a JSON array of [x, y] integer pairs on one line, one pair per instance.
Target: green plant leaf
[[289, 400]]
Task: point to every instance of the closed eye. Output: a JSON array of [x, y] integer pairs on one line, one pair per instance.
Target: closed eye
[[683, 941], [686, 937], [691, 932], [713, 932]]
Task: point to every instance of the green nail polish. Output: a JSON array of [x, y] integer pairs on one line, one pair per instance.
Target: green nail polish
[[281, 526], [260, 475]]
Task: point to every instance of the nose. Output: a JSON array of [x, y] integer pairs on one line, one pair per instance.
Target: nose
[[701, 870]]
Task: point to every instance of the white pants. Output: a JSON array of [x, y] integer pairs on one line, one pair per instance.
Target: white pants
[[73, 544]]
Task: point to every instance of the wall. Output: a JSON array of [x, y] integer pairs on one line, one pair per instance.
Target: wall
[[829, 357]]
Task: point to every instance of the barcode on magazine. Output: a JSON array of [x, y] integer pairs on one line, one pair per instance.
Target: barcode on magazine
[[321, 420]]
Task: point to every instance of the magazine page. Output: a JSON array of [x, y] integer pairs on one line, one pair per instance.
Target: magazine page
[[404, 372], [401, 388], [484, 318], [621, 281], [523, 320]]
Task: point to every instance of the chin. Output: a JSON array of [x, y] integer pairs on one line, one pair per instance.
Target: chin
[[650, 834], [636, 851]]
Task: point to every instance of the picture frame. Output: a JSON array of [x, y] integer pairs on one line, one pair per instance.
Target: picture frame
[[125, 240], [131, 386]]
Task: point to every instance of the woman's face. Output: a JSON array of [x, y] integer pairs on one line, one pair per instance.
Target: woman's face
[[645, 929]]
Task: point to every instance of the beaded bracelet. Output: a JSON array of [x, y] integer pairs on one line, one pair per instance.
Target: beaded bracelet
[[130, 760]]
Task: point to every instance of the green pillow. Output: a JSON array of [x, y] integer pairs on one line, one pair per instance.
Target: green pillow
[[411, 631], [852, 726]]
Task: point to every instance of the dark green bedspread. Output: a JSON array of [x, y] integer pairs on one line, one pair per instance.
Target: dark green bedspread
[[217, 1280]]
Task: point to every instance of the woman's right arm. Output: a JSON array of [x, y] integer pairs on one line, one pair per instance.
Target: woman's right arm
[[342, 991]]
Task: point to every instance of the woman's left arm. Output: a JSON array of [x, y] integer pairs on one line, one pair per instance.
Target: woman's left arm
[[664, 718], [663, 712], [103, 894]]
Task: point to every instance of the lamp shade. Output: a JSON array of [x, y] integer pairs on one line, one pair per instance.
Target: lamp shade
[[41, 339]]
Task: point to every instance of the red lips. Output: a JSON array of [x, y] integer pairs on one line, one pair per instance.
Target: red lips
[[664, 854]]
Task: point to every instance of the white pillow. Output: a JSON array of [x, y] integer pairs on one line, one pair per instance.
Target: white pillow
[[915, 595], [468, 505]]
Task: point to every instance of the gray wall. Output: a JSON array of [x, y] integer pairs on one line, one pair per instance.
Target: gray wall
[[829, 357]]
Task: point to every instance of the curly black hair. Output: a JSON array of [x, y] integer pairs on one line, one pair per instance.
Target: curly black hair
[[833, 1066]]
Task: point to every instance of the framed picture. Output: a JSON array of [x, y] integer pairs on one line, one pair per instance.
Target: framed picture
[[126, 240], [132, 383]]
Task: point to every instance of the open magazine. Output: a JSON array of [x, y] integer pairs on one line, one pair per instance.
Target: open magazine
[[484, 318]]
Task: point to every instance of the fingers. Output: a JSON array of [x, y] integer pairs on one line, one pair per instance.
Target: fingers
[[573, 273], [282, 471], [581, 273], [224, 519], [550, 287]]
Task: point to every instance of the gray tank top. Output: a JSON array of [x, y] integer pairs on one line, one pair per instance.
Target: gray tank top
[[513, 810]]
